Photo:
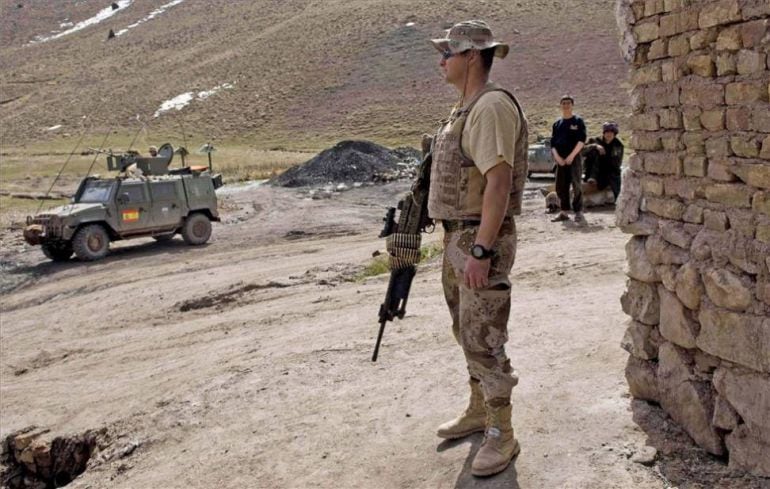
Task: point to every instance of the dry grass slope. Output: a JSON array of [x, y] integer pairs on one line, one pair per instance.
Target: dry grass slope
[[305, 73]]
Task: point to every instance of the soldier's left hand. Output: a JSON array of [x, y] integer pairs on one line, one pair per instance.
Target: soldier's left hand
[[476, 274]]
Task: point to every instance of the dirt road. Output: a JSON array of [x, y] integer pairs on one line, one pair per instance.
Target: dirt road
[[246, 363]]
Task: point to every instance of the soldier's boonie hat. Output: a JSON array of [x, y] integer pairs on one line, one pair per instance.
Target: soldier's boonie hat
[[152, 148], [470, 34]]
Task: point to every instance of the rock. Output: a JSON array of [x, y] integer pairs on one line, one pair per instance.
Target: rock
[[644, 226], [726, 290], [690, 403], [666, 208], [627, 210], [730, 194], [747, 392], [693, 214], [706, 363], [641, 340], [645, 456], [695, 166], [659, 252], [641, 302], [740, 338], [676, 234], [689, 286], [639, 267], [642, 379], [675, 324], [725, 416], [667, 275], [748, 453], [757, 175]]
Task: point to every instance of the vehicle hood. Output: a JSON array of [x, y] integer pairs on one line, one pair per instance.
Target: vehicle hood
[[70, 209]]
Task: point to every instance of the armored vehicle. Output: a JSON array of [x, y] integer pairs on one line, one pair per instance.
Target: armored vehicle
[[145, 199], [540, 158]]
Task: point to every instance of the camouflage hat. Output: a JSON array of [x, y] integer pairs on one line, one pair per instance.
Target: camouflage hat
[[153, 148], [470, 34]]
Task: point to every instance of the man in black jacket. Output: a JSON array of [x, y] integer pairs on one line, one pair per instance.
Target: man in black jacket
[[603, 156], [568, 137]]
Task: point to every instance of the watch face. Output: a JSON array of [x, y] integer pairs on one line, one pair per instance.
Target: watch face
[[477, 251]]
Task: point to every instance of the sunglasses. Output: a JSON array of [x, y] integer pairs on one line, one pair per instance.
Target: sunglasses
[[445, 55]]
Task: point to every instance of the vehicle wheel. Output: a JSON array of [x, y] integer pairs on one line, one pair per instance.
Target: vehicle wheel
[[196, 229], [162, 238], [58, 250], [91, 242]]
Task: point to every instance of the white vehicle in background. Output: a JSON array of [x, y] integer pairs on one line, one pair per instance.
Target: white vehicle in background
[[540, 159]]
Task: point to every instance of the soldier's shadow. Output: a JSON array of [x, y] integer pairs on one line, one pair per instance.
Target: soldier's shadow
[[506, 479]]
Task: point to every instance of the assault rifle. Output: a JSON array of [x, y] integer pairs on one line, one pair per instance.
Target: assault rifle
[[403, 243]]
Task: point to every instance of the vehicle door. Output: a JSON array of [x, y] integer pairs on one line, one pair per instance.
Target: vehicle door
[[166, 209], [134, 205]]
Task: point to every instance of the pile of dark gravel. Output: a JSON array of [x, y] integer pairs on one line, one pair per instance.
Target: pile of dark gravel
[[352, 162]]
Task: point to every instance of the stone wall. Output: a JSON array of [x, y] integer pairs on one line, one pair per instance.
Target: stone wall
[[696, 198]]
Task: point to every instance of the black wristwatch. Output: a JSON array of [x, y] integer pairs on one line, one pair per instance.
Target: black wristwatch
[[480, 253]]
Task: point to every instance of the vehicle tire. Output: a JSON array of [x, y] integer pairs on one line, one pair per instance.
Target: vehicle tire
[[57, 250], [91, 242], [163, 238], [196, 229]]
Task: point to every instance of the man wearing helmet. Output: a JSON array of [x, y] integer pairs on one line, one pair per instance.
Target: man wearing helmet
[[603, 156]]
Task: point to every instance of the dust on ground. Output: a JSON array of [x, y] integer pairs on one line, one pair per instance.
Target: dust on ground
[[246, 362]]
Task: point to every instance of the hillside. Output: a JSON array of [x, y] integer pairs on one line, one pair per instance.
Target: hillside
[[298, 74]]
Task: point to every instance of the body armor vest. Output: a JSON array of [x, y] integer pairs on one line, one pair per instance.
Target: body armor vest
[[456, 184]]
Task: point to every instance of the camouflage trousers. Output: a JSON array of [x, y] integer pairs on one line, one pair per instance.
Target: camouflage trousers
[[480, 316]]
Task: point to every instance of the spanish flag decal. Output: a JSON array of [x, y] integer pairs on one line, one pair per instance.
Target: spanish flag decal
[[130, 215]]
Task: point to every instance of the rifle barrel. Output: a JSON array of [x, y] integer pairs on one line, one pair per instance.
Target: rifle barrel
[[379, 339]]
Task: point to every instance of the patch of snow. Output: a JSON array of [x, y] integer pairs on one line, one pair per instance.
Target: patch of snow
[[180, 101], [53, 128], [409, 24], [150, 16], [65, 24], [102, 15], [207, 93]]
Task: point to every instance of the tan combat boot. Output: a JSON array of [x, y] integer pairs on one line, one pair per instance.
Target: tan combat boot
[[473, 419], [499, 446]]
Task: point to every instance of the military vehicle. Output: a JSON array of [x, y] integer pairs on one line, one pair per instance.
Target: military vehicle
[[540, 158], [146, 198]]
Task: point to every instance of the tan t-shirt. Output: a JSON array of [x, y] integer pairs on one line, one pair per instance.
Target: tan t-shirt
[[490, 131]]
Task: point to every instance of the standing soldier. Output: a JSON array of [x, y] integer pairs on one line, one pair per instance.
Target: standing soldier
[[604, 156], [479, 168], [567, 139]]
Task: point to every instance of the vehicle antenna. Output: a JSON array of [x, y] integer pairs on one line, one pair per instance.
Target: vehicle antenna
[[99, 151], [61, 170], [143, 126]]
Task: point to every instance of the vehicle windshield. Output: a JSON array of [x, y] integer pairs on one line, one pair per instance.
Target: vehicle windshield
[[96, 191]]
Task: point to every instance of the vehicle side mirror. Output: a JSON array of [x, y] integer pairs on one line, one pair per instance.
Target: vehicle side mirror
[[123, 199]]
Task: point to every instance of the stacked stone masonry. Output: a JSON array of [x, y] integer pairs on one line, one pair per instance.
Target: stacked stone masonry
[[696, 198]]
